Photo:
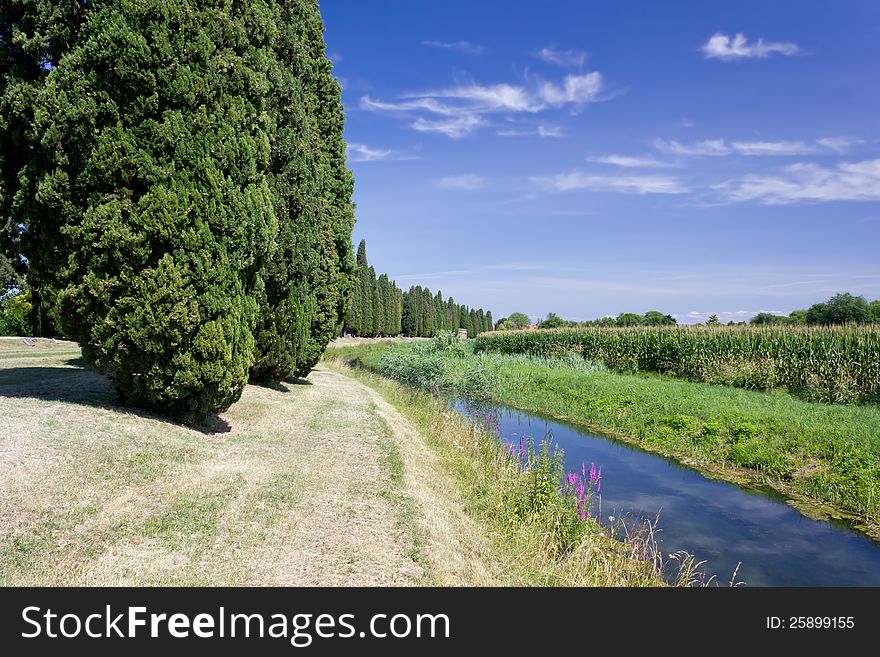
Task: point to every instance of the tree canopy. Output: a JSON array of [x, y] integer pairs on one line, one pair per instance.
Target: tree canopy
[[173, 185]]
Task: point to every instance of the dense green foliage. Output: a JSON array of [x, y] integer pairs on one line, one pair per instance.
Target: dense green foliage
[[15, 314], [830, 364], [377, 307], [309, 272], [650, 318], [172, 173], [843, 308], [828, 452]]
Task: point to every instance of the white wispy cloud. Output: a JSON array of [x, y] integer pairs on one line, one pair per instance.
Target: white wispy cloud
[[490, 98], [363, 153], [453, 128], [839, 144], [718, 147], [575, 89], [549, 131], [543, 131], [634, 184], [563, 58], [724, 47], [426, 104], [707, 147], [465, 182], [632, 161], [464, 106], [771, 147], [464, 47], [809, 182]]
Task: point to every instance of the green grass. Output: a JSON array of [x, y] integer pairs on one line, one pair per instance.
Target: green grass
[[535, 537], [828, 453], [834, 364]]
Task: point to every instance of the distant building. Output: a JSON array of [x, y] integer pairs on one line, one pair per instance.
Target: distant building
[[462, 334]]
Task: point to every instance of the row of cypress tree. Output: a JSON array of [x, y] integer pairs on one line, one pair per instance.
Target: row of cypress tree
[[377, 307], [173, 184]]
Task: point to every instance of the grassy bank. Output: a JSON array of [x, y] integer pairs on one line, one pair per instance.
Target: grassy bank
[[536, 535], [826, 456], [831, 364]]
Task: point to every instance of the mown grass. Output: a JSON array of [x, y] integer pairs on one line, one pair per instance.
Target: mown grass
[[828, 453], [536, 534], [94, 492]]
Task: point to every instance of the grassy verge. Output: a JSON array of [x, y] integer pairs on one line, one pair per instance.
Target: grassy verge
[[535, 534], [827, 457], [297, 485]]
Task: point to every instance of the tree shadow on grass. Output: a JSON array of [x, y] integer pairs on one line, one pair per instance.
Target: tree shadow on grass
[[76, 383], [281, 387]]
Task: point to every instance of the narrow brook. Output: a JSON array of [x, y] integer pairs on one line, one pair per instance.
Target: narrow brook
[[721, 523]]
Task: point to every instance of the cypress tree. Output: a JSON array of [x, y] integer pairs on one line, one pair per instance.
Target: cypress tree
[[191, 169], [34, 36], [411, 312], [428, 327], [366, 290], [439, 310], [377, 312], [352, 323], [309, 276], [388, 307], [398, 310], [147, 209]]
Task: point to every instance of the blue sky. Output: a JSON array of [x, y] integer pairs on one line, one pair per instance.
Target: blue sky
[[592, 158]]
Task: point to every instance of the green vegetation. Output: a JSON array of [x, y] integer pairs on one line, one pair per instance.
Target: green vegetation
[[95, 494], [513, 322], [173, 186], [377, 307], [843, 308], [539, 532], [828, 453], [15, 314], [828, 364], [305, 281], [650, 318]]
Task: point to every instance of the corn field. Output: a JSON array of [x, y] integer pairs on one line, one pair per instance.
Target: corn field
[[837, 364]]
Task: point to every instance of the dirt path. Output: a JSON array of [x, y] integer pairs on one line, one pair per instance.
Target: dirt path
[[320, 483]]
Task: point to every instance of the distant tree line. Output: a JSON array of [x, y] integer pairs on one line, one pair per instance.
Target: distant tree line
[[843, 308], [650, 318], [377, 307]]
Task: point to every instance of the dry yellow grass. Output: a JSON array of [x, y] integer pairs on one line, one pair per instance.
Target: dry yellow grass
[[294, 489]]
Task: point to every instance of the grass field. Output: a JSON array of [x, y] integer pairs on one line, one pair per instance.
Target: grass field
[[327, 481], [826, 455], [96, 493]]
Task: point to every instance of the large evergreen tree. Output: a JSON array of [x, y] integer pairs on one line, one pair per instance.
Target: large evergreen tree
[[308, 277], [147, 209], [171, 173]]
